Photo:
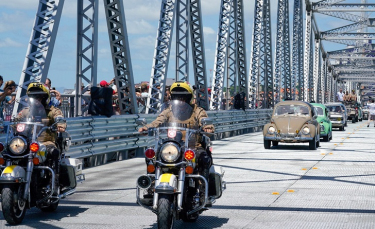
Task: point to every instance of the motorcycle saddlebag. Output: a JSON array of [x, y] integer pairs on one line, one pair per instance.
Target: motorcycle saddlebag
[[67, 176], [216, 183]]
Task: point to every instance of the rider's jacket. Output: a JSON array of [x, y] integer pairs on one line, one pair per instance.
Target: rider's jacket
[[195, 118], [48, 137]]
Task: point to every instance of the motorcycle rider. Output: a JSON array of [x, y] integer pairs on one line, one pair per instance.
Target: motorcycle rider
[[181, 91], [39, 92]]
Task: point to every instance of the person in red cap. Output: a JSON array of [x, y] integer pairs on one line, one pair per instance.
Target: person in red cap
[[103, 83]]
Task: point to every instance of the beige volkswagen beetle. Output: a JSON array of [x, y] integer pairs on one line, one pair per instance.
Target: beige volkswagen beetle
[[292, 121]]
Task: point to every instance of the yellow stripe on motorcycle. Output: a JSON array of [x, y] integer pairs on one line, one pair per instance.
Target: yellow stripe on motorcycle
[[166, 177], [9, 169], [41, 153]]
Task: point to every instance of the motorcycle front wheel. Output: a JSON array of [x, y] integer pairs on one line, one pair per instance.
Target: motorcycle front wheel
[[165, 212], [12, 205]]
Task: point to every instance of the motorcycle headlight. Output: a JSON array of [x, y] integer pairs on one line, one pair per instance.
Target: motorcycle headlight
[[169, 152], [306, 130], [271, 130], [17, 145], [321, 128]]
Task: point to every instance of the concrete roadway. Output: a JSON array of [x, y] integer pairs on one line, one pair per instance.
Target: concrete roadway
[[284, 187]]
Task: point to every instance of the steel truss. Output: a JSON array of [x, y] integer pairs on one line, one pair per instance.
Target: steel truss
[[189, 22], [87, 51], [297, 51], [308, 77], [122, 66], [40, 48], [283, 79], [262, 92], [230, 54]]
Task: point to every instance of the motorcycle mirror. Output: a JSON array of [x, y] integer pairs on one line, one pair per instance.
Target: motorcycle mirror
[[150, 131], [60, 120], [141, 121], [207, 121]]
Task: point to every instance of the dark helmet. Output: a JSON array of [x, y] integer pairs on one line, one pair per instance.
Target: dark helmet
[[38, 90], [181, 91]]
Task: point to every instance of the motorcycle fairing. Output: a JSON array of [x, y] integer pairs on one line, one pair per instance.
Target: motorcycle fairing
[[167, 184], [13, 174]]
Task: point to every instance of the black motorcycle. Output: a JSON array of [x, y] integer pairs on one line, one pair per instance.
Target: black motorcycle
[[173, 188], [28, 176]]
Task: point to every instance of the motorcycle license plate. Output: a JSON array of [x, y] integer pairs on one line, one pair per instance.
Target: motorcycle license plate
[[338, 119]]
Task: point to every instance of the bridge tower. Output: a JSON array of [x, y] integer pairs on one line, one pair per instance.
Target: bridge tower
[[283, 77], [188, 16], [261, 67], [230, 56]]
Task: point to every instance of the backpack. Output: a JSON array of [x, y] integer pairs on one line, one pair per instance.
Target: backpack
[[101, 101], [239, 101]]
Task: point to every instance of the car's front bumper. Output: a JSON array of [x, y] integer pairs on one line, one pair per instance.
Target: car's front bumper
[[288, 138]]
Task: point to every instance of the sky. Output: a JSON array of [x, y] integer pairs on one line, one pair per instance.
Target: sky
[[142, 16]]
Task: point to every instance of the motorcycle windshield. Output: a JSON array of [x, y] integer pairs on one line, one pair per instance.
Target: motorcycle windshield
[[32, 120], [181, 126], [37, 112]]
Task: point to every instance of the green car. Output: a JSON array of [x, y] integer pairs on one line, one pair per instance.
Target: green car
[[325, 122]]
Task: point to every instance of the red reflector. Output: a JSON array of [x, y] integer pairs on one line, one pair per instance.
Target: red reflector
[[189, 155], [34, 147], [150, 153], [1, 147]]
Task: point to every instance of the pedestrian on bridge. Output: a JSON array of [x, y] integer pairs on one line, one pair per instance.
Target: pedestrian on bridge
[[340, 96], [371, 107]]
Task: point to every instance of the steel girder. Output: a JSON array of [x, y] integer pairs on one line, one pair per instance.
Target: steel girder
[[307, 94], [261, 57], [161, 57], [122, 66], [198, 53], [182, 40], [316, 85], [297, 56], [189, 22], [283, 79], [222, 44], [348, 7], [40, 48], [230, 54], [87, 50]]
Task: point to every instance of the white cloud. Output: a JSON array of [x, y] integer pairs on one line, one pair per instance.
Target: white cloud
[[7, 42], [208, 31]]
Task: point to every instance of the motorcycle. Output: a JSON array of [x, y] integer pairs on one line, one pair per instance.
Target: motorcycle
[[173, 189], [28, 176]]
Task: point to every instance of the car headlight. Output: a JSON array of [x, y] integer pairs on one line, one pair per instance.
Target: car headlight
[[170, 152], [271, 130], [306, 130], [17, 145]]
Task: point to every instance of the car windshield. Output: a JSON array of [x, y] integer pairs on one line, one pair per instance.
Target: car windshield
[[319, 111], [292, 109], [334, 109]]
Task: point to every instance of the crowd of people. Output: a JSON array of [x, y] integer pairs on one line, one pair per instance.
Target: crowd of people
[[346, 97]]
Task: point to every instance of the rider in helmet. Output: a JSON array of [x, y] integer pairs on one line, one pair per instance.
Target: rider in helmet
[[40, 93], [181, 91]]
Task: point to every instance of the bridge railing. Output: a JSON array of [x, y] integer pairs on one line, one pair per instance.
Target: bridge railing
[[98, 139]]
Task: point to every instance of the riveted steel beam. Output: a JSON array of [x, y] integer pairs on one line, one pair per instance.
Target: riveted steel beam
[[297, 51], [87, 51], [262, 91], [198, 53], [121, 59], [161, 56], [283, 79], [40, 48]]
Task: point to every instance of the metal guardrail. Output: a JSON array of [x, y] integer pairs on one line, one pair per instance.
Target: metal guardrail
[[94, 136]]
